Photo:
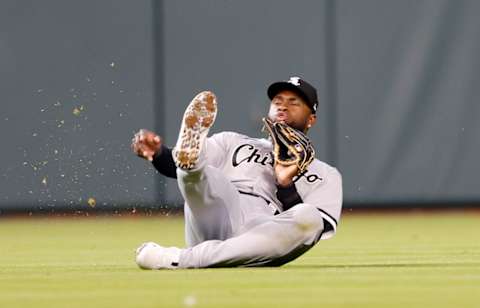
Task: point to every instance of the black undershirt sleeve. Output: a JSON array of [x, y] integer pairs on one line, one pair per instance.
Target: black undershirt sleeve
[[288, 196], [163, 162]]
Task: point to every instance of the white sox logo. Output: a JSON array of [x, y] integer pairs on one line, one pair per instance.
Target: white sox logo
[[295, 81], [247, 153]]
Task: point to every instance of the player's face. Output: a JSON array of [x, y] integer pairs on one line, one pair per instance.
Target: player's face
[[291, 109]]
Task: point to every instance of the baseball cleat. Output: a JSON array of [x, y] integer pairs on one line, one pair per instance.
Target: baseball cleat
[[153, 256], [197, 120]]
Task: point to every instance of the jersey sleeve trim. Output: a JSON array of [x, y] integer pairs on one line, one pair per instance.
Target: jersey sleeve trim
[[330, 233]]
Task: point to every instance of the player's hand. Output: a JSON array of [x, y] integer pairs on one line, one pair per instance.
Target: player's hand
[[285, 174], [146, 143]]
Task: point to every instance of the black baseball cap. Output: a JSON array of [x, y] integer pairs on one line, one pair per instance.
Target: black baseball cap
[[299, 86]]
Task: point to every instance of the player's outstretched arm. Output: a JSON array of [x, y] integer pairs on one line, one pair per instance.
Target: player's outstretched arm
[[148, 145]]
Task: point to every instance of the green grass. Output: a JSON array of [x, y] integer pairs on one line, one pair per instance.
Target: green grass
[[400, 260]]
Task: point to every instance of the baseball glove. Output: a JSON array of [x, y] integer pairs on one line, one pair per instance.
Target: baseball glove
[[290, 146]]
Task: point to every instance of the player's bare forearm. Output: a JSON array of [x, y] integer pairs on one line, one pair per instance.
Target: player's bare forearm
[[284, 174]]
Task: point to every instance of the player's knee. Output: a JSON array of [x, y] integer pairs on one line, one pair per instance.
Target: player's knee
[[307, 217]]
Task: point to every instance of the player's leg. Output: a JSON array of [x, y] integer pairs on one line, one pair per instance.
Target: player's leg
[[274, 242], [212, 207], [211, 201]]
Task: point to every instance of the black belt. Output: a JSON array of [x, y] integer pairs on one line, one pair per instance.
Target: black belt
[[258, 196]]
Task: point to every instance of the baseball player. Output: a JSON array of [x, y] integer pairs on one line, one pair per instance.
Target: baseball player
[[244, 206]]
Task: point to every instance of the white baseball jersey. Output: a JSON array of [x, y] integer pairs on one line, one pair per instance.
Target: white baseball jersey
[[248, 163]]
